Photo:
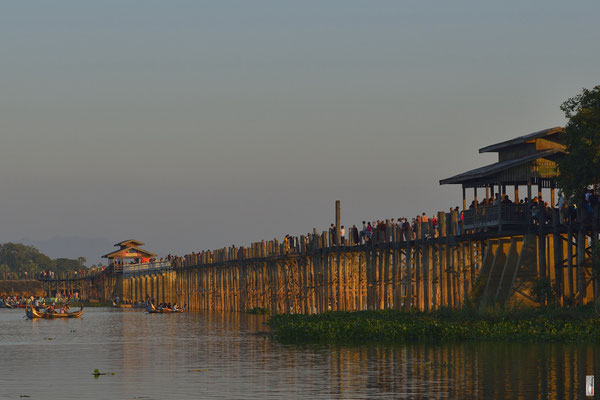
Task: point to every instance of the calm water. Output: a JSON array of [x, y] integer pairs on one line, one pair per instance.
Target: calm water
[[227, 355]]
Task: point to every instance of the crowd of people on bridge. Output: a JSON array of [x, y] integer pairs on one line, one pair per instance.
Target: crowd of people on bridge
[[536, 210], [541, 211]]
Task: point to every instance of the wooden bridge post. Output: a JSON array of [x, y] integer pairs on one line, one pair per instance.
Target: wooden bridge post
[[378, 269], [135, 288], [369, 280], [454, 247], [303, 266], [442, 276], [311, 281], [143, 290], [386, 253], [198, 288], [319, 274], [570, 261], [331, 280], [425, 257], [362, 278], [157, 286], [432, 256], [395, 267], [542, 245], [580, 259], [320, 291], [448, 250], [463, 266], [418, 248], [173, 287], [325, 259], [472, 265], [341, 270], [558, 256], [408, 275]]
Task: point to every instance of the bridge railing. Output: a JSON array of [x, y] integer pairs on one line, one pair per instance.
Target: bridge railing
[[155, 266], [498, 215]]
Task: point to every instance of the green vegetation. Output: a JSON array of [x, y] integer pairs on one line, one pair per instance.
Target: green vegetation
[[580, 168], [259, 311], [97, 373], [444, 325], [19, 261]]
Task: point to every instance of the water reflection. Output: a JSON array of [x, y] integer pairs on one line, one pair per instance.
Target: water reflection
[[228, 355]]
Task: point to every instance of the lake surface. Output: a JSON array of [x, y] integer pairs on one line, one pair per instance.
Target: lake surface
[[229, 356]]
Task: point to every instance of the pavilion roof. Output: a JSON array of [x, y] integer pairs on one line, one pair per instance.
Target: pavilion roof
[[489, 171], [130, 252], [521, 139], [131, 242]]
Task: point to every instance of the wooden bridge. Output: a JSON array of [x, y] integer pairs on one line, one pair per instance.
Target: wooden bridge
[[311, 274], [493, 252]]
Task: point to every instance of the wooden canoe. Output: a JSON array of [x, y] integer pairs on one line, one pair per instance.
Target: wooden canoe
[[154, 310], [31, 312]]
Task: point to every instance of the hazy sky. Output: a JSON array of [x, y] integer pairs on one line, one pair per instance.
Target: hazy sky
[[192, 125]]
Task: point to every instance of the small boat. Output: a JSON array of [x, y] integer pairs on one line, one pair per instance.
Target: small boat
[[32, 313], [115, 305], [153, 310]]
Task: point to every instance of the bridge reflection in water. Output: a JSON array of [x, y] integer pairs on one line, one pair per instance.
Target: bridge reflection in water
[[235, 356]]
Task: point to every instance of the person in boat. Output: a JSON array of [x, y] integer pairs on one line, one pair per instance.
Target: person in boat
[[169, 306], [175, 307], [63, 310]]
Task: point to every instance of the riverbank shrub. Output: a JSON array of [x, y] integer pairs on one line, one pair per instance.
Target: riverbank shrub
[[443, 325]]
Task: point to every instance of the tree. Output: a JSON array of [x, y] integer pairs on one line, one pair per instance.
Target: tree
[[20, 258], [66, 265], [580, 167], [17, 258]]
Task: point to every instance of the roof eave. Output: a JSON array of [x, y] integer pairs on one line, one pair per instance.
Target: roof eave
[[489, 170], [520, 140]]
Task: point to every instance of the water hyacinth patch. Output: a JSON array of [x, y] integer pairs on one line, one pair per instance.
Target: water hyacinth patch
[[391, 326]]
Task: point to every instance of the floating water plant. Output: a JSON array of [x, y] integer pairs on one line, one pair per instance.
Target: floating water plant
[[97, 373], [556, 325]]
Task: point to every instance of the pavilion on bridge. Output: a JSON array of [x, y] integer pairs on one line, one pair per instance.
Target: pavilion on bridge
[[128, 250], [529, 160]]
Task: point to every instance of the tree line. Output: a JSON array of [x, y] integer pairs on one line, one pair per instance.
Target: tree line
[[18, 260]]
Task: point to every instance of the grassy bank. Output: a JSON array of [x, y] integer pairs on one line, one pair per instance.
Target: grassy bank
[[529, 325]]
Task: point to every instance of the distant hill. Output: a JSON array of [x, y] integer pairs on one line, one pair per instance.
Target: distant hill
[[72, 247]]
